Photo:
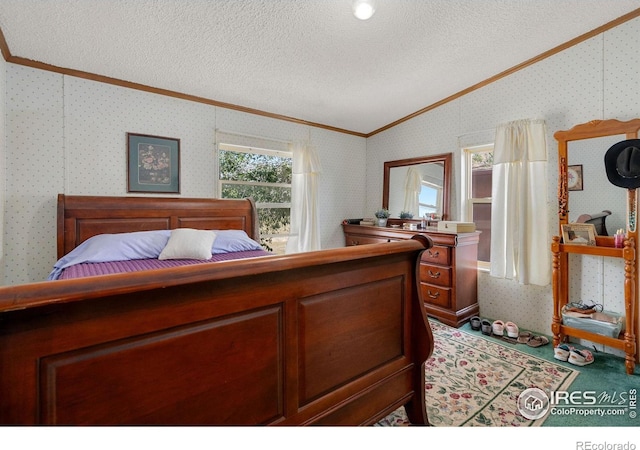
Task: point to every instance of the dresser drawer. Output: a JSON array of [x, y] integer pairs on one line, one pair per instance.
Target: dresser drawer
[[437, 255], [437, 296], [361, 240], [435, 275]]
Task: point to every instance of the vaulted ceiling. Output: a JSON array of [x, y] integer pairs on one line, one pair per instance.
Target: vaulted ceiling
[[307, 60]]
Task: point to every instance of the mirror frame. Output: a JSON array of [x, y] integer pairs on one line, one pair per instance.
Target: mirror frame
[[589, 130], [444, 158]]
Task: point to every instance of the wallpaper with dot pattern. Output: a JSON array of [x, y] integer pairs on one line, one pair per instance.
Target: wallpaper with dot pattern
[[65, 134], [68, 135], [597, 79]]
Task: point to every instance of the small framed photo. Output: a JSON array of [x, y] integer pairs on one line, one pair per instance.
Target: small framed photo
[[153, 164], [579, 234], [574, 177]]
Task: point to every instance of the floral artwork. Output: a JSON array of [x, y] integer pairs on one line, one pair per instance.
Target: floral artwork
[[153, 164]]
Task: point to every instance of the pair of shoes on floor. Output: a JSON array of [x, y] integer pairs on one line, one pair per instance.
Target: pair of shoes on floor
[[526, 337], [478, 324], [500, 328], [564, 352]]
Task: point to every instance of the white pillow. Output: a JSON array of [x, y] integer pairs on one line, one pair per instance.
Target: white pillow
[[187, 243]]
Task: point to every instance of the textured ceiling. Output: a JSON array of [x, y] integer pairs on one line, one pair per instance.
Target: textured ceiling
[[311, 60]]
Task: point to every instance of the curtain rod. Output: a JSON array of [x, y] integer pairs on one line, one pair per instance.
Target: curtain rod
[[234, 133], [476, 132]]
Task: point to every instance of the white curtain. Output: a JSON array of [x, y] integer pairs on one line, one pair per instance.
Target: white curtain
[[305, 226], [519, 215], [412, 188]]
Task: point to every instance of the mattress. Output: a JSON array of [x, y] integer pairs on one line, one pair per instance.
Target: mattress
[[111, 267]]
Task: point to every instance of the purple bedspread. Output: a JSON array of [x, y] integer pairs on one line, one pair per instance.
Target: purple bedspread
[[105, 268]]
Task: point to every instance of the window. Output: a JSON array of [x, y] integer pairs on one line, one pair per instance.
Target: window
[[264, 175], [477, 165], [429, 199]]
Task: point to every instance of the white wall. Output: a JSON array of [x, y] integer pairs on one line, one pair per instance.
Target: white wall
[[68, 135], [597, 79]]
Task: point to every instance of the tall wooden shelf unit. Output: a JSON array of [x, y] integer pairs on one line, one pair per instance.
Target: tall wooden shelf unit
[[629, 340]]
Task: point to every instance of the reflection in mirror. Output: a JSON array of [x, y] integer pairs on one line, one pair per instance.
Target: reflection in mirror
[[594, 193], [418, 185]]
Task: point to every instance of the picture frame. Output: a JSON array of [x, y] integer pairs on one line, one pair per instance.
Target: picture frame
[[579, 234], [574, 177], [153, 164]]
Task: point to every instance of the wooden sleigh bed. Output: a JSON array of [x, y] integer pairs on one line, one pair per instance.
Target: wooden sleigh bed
[[333, 337]]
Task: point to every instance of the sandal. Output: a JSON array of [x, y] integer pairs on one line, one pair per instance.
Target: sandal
[[512, 329], [561, 352], [524, 336], [486, 327], [580, 357], [498, 328], [475, 323], [537, 341]]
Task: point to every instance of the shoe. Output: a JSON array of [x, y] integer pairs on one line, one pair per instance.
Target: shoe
[[512, 329], [486, 327], [537, 341], [475, 323], [524, 336], [498, 328], [580, 357], [561, 352]]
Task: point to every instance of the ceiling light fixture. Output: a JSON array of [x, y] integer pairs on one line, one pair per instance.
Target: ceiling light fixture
[[364, 9]]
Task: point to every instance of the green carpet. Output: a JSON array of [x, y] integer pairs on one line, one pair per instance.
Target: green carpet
[[606, 378]]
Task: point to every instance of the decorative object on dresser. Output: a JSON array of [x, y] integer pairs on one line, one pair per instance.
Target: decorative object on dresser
[[381, 216], [448, 270], [628, 341]]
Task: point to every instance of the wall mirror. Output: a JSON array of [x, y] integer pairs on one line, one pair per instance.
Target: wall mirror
[[418, 185], [583, 186]]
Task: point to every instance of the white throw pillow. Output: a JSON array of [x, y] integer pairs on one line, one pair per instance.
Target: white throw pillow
[[187, 243]]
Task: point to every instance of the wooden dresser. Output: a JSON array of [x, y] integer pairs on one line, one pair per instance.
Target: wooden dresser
[[448, 271]]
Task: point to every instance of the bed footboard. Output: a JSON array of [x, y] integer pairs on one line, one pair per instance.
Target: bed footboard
[[335, 337]]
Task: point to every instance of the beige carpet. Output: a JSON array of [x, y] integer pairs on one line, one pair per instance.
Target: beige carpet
[[475, 381]]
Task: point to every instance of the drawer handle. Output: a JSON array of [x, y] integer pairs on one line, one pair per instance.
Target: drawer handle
[[434, 254], [432, 295], [434, 274], [355, 242]]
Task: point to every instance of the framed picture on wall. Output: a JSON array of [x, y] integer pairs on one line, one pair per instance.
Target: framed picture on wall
[[153, 164], [574, 177]]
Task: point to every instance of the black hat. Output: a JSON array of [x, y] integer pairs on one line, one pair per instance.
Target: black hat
[[622, 163]]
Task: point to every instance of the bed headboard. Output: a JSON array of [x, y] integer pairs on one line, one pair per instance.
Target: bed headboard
[[81, 217]]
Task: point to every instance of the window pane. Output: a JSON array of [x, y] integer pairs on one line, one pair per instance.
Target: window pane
[[274, 221], [241, 166], [481, 182], [482, 218], [260, 194]]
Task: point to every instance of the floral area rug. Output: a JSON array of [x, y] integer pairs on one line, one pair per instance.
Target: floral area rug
[[474, 382]]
